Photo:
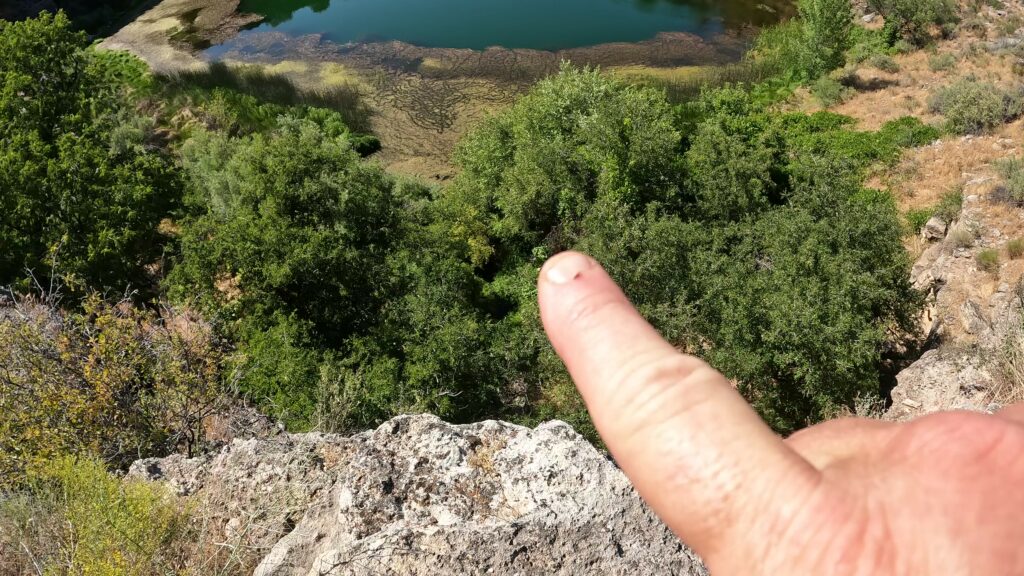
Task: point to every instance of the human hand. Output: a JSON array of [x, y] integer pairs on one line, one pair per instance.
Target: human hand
[[941, 495]]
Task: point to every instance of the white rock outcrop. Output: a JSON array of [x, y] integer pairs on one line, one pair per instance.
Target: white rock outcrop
[[419, 496]]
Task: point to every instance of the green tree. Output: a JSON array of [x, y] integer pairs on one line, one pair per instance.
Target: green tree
[[915, 20], [80, 187], [827, 25], [756, 246], [288, 242]]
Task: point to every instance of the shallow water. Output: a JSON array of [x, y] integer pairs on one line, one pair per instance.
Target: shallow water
[[535, 24]]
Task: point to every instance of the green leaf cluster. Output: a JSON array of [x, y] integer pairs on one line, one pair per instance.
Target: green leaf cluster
[[915, 20], [82, 188], [743, 234]]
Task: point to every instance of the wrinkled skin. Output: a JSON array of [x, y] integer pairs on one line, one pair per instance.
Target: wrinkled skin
[[941, 495]]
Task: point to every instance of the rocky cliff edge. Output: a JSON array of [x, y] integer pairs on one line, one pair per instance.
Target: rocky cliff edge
[[419, 496]]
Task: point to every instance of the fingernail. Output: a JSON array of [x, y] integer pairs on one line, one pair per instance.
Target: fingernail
[[566, 267]]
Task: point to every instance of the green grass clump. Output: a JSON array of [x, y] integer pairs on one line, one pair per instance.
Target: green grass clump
[[974, 107], [1015, 248], [988, 261]]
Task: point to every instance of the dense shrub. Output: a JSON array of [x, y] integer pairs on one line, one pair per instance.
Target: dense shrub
[[1011, 189], [885, 63], [865, 43], [110, 381], [81, 188], [811, 45], [783, 48], [827, 25], [917, 218], [288, 242], [721, 254], [353, 297], [950, 205], [830, 91], [973, 107], [914, 20], [942, 62]]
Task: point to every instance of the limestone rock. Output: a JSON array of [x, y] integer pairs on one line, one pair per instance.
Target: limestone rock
[[934, 229], [941, 380], [973, 318], [419, 496]]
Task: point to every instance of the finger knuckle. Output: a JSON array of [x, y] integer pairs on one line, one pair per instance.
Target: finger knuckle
[[593, 309], [649, 386]]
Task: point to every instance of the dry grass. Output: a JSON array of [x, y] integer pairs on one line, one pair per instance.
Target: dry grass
[[1009, 360], [925, 174], [885, 95]]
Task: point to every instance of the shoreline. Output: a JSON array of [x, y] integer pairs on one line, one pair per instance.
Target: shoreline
[[423, 99]]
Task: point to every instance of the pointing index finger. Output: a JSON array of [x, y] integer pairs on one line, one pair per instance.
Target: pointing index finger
[[689, 442]]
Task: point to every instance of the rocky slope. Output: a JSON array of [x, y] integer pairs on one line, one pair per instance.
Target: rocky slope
[[973, 317], [419, 496]]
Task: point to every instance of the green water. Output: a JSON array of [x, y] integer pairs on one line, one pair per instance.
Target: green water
[[538, 24]]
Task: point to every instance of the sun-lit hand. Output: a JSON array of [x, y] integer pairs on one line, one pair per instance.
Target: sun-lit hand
[[941, 495]]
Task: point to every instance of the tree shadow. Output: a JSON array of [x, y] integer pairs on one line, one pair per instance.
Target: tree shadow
[[276, 12], [869, 84], [346, 99]]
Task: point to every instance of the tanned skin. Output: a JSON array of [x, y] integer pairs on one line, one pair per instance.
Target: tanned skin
[[942, 495]]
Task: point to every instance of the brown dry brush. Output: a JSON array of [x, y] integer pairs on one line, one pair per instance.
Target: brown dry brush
[[83, 392], [1009, 358], [109, 379]]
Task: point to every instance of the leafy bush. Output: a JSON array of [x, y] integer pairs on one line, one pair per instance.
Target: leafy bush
[[81, 185], [110, 381], [289, 236], [950, 205], [783, 48], [916, 219], [1011, 189], [942, 62], [988, 261], [914, 20], [764, 210], [1015, 248], [866, 43], [72, 516], [973, 107], [885, 63], [351, 296], [902, 46], [809, 46], [826, 133], [829, 91], [827, 25], [905, 132]]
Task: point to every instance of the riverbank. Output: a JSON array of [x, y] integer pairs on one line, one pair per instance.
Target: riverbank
[[422, 99]]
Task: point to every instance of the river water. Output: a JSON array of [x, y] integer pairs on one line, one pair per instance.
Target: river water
[[531, 24]]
